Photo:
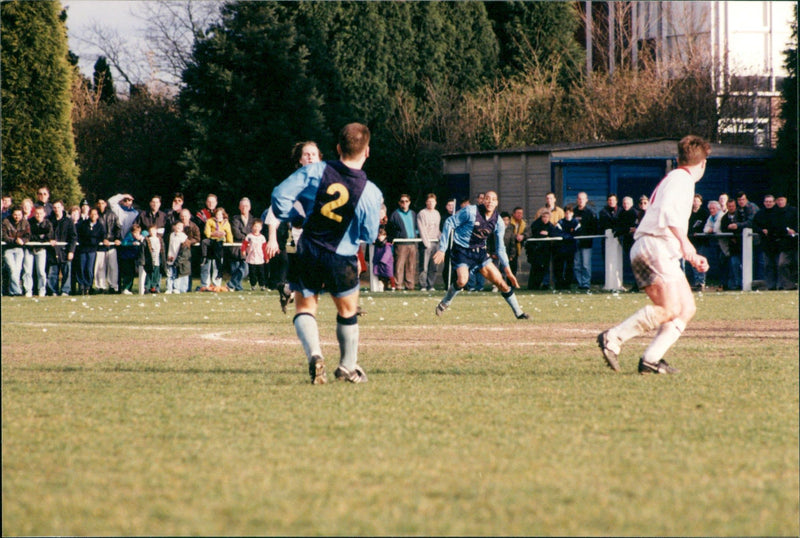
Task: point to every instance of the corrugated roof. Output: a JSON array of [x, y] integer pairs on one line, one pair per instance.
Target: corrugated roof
[[717, 150]]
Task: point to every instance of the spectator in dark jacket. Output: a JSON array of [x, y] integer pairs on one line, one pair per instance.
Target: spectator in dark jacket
[[91, 233], [767, 224], [106, 264], [539, 253], [732, 250], [153, 217], [61, 256], [583, 254], [697, 221], [607, 219]]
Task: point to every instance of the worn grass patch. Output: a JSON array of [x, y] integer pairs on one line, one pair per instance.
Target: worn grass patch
[[193, 414]]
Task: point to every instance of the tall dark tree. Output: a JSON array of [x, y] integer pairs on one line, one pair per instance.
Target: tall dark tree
[[785, 170], [133, 146], [247, 99], [536, 33], [103, 82], [37, 143], [371, 58]]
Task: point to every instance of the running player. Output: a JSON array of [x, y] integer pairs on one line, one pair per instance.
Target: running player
[[342, 208], [473, 224], [661, 241]]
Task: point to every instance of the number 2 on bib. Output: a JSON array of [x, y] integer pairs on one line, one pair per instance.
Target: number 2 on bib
[[327, 210]]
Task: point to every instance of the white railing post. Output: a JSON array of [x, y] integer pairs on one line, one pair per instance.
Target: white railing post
[[747, 259], [613, 262], [374, 281]]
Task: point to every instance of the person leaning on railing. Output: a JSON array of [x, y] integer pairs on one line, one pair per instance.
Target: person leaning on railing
[[35, 262], [16, 232]]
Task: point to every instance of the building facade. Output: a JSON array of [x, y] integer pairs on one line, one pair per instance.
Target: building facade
[[738, 44]]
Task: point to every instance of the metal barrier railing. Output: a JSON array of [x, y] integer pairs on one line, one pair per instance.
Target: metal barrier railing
[[613, 257]]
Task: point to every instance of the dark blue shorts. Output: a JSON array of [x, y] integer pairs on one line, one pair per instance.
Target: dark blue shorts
[[473, 258], [315, 270]]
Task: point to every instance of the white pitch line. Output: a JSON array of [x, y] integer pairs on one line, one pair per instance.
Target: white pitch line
[[221, 337], [101, 326]]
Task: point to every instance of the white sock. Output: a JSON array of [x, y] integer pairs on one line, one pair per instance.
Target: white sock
[[667, 335], [641, 322], [347, 335], [307, 331]]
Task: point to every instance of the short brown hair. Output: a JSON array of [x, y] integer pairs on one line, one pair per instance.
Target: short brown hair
[[353, 139], [692, 150]]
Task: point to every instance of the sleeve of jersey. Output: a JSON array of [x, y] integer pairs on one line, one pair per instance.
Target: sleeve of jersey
[[502, 256], [461, 223], [370, 213], [446, 230], [301, 186]]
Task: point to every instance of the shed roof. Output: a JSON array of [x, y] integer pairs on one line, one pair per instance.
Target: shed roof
[[661, 148]]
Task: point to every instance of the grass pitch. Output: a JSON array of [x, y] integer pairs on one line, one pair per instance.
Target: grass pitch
[[193, 414]]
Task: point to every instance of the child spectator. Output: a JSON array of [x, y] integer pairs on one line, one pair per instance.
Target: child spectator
[[153, 260], [218, 231], [128, 254], [383, 263], [178, 260], [254, 250]]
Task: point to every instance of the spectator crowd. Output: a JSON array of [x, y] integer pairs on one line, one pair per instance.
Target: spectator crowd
[[51, 249]]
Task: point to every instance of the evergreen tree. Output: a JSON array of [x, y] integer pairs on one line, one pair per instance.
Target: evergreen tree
[[538, 34], [104, 82], [247, 99], [37, 144], [133, 146], [271, 74]]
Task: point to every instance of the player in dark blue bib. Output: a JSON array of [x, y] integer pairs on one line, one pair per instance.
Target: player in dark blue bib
[[472, 226], [342, 208]]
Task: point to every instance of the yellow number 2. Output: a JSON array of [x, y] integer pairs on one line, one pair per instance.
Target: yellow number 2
[[344, 196]]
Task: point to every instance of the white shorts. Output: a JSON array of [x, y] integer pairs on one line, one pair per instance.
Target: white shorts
[[651, 258]]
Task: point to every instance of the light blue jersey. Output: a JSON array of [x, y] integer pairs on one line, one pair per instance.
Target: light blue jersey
[[471, 230], [341, 204]]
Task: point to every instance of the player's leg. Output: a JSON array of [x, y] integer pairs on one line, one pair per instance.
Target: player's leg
[[305, 325], [462, 277], [650, 277], [677, 303], [343, 283], [492, 274], [347, 334]]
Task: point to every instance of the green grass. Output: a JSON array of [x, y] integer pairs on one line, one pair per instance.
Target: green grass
[[196, 417]]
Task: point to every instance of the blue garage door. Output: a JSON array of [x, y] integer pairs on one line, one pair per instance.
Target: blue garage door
[[636, 179]]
